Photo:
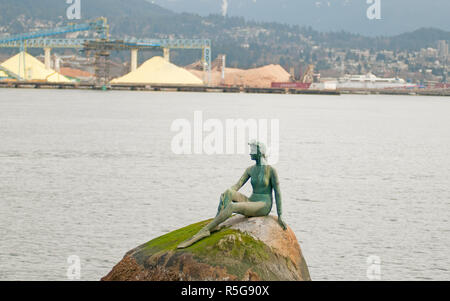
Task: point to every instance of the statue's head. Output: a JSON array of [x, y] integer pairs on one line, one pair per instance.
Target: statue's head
[[257, 150]]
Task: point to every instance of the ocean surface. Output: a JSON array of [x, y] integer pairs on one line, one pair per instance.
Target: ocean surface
[[93, 174]]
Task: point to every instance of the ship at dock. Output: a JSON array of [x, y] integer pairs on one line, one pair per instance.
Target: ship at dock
[[367, 81], [370, 81]]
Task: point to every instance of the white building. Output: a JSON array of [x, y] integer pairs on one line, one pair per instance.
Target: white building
[[443, 49]]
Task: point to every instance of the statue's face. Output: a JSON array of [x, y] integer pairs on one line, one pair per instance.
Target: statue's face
[[254, 152]]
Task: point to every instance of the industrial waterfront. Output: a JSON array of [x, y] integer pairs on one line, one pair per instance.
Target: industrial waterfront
[[159, 73]]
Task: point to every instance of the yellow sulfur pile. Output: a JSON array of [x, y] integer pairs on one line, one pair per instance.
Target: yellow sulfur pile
[[159, 71], [31, 69]]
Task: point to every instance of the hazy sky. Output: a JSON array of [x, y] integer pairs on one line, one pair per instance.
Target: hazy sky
[[396, 16]]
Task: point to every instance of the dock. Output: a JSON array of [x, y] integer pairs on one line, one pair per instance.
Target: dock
[[166, 88], [217, 89]]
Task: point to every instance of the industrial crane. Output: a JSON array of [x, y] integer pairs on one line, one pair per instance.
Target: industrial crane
[[103, 44], [308, 76], [99, 26]]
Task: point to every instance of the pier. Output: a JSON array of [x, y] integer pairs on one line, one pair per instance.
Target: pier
[[167, 88], [217, 89]]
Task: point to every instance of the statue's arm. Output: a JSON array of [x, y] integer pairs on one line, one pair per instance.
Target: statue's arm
[[241, 181], [276, 188]]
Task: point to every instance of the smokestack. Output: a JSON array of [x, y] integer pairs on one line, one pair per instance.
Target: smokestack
[[223, 66], [224, 7]]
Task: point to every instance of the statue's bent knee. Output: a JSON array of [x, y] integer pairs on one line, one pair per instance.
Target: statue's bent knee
[[229, 191], [229, 208]]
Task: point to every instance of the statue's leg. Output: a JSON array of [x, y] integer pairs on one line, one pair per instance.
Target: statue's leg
[[228, 197], [244, 208], [240, 198], [224, 200]]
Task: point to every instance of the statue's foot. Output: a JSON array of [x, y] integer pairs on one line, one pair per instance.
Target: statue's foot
[[200, 235], [218, 228]]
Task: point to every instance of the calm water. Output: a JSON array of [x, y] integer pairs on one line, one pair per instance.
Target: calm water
[[92, 174]]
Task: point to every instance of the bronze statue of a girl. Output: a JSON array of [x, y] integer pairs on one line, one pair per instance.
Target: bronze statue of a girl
[[264, 180]]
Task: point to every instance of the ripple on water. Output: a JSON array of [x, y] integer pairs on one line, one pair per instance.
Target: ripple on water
[[93, 175]]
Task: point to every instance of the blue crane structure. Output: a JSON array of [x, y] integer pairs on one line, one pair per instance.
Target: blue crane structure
[[99, 25], [103, 43]]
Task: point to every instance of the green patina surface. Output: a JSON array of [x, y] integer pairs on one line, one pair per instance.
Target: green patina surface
[[229, 248]]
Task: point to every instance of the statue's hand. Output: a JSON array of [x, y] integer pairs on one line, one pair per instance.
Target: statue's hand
[[282, 223]]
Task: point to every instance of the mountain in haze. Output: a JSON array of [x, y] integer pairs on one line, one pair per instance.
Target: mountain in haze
[[18, 15], [398, 16]]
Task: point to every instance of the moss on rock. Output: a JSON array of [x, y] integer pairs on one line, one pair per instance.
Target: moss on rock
[[228, 254]]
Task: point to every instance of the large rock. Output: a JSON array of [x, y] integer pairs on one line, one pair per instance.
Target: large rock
[[243, 249]]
